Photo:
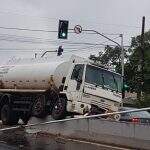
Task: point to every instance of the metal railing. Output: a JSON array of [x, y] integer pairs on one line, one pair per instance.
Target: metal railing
[[79, 118]]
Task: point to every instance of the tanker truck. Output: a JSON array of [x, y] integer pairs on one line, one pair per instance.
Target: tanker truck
[[57, 87]]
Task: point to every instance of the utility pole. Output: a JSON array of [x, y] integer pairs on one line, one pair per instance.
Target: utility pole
[[122, 56], [35, 55], [122, 65], [142, 56], [142, 49]]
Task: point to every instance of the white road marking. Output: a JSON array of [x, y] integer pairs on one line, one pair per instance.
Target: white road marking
[[98, 144]]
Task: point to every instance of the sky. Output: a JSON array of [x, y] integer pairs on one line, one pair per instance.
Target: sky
[[110, 17]]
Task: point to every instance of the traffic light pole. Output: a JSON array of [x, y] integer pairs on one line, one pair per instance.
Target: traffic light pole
[[121, 46], [122, 54], [103, 36]]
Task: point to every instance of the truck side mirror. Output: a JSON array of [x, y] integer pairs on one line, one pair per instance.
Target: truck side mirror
[[79, 80]]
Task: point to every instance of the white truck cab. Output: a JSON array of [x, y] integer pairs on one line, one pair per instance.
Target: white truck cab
[[91, 88]]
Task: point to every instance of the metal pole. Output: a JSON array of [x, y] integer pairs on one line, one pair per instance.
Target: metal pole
[[142, 57], [122, 65], [47, 52], [120, 45], [71, 119], [35, 55], [104, 36], [122, 56]]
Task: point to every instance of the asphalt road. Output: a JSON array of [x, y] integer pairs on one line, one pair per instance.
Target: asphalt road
[[18, 139], [59, 145]]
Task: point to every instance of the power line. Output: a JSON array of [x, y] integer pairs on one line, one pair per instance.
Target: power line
[[49, 31], [13, 37], [26, 29], [50, 18], [56, 42], [18, 36], [40, 50], [37, 40], [8, 36], [73, 44], [32, 40], [44, 42]]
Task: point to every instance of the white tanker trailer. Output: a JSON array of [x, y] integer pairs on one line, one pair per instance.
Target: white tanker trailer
[[58, 88]]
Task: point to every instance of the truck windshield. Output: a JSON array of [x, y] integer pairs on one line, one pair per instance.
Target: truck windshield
[[103, 78]]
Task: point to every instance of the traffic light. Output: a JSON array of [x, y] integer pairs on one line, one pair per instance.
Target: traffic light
[[126, 87], [63, 29]]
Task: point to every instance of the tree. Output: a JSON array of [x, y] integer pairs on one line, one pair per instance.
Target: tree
[[112, 56], [133, 66]]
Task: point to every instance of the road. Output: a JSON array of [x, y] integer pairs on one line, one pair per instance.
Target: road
[[18, 139], [58, 145]]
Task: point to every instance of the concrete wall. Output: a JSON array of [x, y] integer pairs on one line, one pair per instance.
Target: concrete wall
[[102, 131]]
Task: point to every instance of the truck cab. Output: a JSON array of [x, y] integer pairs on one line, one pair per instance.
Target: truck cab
[[90, 88]]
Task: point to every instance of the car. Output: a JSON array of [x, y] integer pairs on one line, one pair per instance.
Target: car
[[141, 117]]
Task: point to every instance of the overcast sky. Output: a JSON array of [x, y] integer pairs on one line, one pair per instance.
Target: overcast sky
[[106, 16]]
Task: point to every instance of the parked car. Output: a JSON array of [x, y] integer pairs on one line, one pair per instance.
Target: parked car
[[135, 117]]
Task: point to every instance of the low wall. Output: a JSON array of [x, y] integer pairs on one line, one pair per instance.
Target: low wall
[[102, 131]]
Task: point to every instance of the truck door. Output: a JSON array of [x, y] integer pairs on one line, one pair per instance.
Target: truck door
[[75, 85]]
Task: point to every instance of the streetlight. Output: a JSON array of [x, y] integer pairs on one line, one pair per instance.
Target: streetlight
[[122, 55], [120, 45]]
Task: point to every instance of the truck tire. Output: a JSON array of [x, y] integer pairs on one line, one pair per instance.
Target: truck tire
[[8, 117], [39, 108], [59, 109]]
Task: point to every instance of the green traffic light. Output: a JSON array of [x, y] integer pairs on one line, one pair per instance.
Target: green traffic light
[[126, 87], [63, 29], [63, 34]]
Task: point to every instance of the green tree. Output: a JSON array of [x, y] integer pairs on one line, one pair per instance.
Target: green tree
[[112, 56], [133, 71]]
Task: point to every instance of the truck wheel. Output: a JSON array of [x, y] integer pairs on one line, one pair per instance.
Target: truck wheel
[[117, 117], [7, 116], [14, 119], [59, 109], [39, 109]]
